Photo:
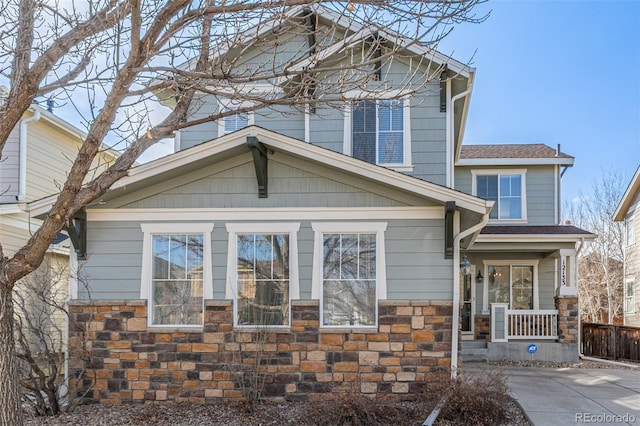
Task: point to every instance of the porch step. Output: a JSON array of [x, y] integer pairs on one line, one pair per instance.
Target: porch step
[[474, 351]]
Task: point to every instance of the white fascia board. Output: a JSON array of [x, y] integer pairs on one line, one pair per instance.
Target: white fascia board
[[10, 209], [537, 238], [627, 199], [265, 214], [515, 161]]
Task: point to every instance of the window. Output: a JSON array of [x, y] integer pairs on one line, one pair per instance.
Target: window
[[264, 268], [378, 132], [236, 122], [629, 296], [349, 274], [631, 232], [176, 272], [506, 189], [515, 284]]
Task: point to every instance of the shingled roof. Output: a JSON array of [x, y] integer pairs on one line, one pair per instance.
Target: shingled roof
[[534, 230], [537, 150]]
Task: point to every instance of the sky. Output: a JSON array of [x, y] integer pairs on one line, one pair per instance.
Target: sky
[[557, 72]]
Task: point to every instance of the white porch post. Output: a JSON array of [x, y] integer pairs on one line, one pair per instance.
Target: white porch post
[[567, 273]]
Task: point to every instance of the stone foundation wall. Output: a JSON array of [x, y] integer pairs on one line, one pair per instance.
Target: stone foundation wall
[[568, 318], [119, 359], [482, 330]]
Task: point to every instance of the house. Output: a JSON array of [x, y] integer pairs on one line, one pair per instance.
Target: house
[[629, 212], [35, 160], [304, 250]]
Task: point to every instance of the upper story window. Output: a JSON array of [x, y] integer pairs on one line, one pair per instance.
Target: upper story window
[[236, 122], [349, 273], [506, 189], [263, 272], [631, 232], [176, 272], [378, 132]]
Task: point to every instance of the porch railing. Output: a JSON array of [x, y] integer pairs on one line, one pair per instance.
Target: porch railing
[[511, 324]]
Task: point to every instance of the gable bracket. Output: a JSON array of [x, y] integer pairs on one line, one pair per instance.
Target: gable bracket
[[259, 152], [449, 210], [77, 230]]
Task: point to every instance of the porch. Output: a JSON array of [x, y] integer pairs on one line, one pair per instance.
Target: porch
[[524, 334]]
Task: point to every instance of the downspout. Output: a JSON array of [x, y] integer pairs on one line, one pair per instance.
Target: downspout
[[451, 133], [22, 191], [456, 289]]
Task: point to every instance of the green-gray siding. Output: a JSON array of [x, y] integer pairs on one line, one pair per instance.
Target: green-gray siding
[[540, 190], [416, 268]]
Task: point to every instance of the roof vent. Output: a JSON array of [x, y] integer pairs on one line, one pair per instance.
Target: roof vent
[[558, 151]]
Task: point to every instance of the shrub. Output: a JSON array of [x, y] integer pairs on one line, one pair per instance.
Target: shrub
[[477, 400]]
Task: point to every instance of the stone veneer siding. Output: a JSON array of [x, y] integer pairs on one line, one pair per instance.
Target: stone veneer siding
[[119, 359], [568, 317]]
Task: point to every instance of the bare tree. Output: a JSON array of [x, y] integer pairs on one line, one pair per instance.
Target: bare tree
[[110, 58], [600, 269]]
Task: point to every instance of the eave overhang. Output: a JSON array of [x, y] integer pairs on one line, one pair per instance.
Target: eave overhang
[[627, 199]]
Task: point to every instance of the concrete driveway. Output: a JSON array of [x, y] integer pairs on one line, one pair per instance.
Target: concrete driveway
[[569, 396]]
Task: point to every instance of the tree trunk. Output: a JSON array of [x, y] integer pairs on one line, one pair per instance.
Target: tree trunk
[[10, 400]]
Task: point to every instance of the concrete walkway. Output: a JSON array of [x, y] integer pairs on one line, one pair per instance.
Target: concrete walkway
[[569, 396]]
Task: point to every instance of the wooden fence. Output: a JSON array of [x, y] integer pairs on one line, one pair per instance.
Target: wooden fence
[[614, 342]]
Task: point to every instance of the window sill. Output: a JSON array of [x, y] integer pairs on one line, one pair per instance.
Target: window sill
[[508, 221], [285, 329], [398, 168], [355, 330], [174, 329]]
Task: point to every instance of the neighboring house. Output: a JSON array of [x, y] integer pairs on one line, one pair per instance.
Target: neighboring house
[[324, 249], [35, 160], [629, 211]]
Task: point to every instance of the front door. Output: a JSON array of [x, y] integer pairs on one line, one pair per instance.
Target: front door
[[466, 305]]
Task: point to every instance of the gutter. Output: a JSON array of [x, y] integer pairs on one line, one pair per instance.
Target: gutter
[[22, 192], [456, 289]]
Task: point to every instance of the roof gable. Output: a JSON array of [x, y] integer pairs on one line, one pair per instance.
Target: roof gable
[[633, 190], [234, 144]]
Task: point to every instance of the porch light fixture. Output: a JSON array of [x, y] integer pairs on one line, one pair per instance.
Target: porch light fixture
[[465, 267], [479, 277]]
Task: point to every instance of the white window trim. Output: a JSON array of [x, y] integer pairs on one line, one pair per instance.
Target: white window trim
[[485, 287], [232, 257], [230, 105], [630, 231], [523, 190], [407, 165], [151, 229], [633, 297], [321, 228]]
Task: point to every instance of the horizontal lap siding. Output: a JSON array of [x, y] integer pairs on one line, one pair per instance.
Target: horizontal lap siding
[[9, 168], [546, 283], [540, 195], [292, 183], [112, 273], [416, 268], [428, 136], [326, 128]]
